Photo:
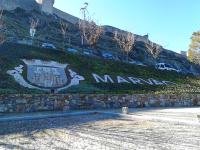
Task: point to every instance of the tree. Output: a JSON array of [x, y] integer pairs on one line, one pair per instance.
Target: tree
[[154, 49], [90, 31], [194, 50], [33, 25], [63, 30], [126, 41], [2, 28]]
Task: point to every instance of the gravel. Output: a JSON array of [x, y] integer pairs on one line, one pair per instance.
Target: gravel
[[97, 132]]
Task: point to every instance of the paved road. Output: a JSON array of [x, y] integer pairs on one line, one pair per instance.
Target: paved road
[[176, 115], [104, 132], [180, 115]]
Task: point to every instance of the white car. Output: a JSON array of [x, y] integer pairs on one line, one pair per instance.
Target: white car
[[164, 66], [48, 45]]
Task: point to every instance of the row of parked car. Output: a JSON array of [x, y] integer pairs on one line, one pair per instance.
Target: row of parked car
[[88, 52], [111, 56]]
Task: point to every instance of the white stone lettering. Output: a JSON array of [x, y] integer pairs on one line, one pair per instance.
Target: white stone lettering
[[131, 80], [99, 79], [121, 80], [51, 75], [156, 82], [168, 83], [149, 81], [135, 80]]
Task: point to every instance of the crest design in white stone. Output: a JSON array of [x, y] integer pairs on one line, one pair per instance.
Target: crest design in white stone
[[45, 75]]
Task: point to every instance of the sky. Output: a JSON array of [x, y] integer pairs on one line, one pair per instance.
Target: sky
[[168, 22]]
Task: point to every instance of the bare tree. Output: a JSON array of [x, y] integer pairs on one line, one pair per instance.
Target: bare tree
[[33, 25], [2, 29], [154, 49], [90, 31], [126, 41], [63, 30], [93, 33]]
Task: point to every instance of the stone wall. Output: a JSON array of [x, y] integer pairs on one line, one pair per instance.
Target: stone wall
[[13, 4], [44, 5], [66, 16], [47, 6], [35, 103]]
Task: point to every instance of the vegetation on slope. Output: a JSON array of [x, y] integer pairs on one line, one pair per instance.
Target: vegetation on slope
[[11, 55]]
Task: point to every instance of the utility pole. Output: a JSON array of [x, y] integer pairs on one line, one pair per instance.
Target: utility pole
[[82, 23]]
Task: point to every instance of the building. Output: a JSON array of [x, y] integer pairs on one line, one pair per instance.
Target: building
[[13, 4], [45, 6], [138, 38]]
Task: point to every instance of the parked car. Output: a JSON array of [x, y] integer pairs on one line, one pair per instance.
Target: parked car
[[107, 55], [72, 50], [48, 45], [136, 63], [90, 52], [164, 66]]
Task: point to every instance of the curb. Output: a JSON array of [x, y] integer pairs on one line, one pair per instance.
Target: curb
[[125, 116], [44, 116]]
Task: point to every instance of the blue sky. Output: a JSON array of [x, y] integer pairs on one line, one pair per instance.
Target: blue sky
[[168, 22]]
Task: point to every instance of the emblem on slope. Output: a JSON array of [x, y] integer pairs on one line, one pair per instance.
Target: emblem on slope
[[45, 75]]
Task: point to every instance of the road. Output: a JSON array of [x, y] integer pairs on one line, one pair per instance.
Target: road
[[101, 131]]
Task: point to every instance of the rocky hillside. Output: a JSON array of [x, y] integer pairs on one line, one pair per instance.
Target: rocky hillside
[[135, 79], [18, 23], [138, 77]]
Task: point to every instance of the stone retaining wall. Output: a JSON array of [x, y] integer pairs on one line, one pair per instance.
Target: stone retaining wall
[[35, 103]]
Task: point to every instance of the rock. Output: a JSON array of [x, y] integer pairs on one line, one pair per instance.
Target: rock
[[66, 108], [3, 108]]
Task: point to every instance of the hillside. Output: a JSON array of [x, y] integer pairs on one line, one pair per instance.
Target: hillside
[[11, 56], [100, 75], [48, 30]]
